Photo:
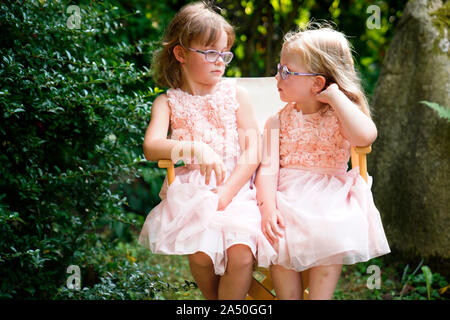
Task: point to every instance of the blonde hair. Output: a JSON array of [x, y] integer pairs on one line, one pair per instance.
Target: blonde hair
[[194, 22], [322, 49]]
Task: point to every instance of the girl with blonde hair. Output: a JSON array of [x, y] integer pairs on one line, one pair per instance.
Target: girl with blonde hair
[[316, 215], [211, 218]]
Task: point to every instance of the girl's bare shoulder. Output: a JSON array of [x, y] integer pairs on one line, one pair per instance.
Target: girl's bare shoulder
[[273, 122]]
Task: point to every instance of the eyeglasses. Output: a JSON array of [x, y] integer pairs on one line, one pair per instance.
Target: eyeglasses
[[284, 72], [213, 55]]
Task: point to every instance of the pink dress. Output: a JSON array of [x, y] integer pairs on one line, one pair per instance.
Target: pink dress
[[329, 212], [186, 221]]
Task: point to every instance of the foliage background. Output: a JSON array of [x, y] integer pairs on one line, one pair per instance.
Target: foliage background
[[74, 106]]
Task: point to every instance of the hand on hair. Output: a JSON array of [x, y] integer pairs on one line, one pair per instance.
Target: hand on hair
[[328, 94]]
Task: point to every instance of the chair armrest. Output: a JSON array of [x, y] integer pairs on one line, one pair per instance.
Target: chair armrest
[[168, 164], [359, 159]]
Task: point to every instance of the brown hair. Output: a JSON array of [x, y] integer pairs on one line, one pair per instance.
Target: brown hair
[[194, 22], [325, 50]]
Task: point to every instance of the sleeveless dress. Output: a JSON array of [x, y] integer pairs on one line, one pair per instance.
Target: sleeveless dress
[[329, 213], [186, 221]]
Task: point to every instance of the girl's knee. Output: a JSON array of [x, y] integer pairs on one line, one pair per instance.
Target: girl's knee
[[200, 259], [240, 256], [326, 272], [290, 294]]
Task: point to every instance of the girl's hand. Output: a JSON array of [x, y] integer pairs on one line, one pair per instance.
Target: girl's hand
[[209, 160], [327, 95], [270, 224], [224, 195]]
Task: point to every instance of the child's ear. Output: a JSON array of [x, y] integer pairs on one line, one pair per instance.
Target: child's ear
[[319, 84], [179, 53]]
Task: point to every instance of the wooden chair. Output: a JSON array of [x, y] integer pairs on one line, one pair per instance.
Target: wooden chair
[[265, 99]]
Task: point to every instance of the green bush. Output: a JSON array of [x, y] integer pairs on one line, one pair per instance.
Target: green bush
[[126, 274], [71, 129]]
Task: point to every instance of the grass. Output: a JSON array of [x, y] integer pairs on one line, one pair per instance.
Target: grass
[[397, 281], [171, 269], [130, 271]]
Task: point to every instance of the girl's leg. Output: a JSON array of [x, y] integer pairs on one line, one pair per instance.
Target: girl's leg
[[236, 281], [287, 283], [323, 281], [202, 270]]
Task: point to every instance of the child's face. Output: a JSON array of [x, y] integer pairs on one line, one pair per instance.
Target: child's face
[[201, 71], [294, 88]]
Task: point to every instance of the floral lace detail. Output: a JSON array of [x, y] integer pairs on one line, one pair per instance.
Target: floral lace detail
[[210, 119], [312, 140]]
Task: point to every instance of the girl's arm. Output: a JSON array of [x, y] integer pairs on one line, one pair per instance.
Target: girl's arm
[[156, 145], [356, 126], [250, 142], [267, 181]]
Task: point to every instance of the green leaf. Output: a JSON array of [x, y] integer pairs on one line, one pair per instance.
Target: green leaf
[[443, 112], [428, 279]]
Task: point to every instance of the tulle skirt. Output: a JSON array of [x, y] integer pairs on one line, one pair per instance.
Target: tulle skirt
[[186, 221], [330, 218]]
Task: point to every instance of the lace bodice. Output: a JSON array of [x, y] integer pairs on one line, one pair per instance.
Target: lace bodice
[[210, 119], [311, 140]]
